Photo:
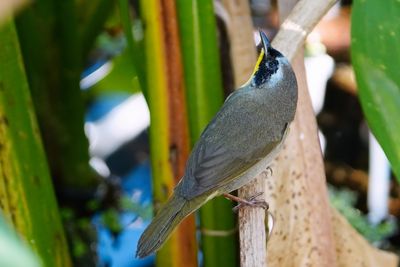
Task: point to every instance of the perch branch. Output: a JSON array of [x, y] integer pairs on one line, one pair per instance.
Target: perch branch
[[303, 18]]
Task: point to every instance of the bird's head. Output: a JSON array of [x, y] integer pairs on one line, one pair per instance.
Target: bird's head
[[271, 65]]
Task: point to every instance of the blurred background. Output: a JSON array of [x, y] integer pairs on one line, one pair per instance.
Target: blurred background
[[89, 71]]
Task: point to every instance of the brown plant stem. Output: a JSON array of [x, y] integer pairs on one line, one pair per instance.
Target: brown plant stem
[[178, 126], [169, 137]]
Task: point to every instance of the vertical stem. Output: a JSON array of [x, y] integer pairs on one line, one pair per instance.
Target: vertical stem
[[203, 81], [169, 141], [201, 62], [178, 126], [157, 98]]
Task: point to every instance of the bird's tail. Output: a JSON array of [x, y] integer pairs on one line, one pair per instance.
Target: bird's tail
[[162, 225]]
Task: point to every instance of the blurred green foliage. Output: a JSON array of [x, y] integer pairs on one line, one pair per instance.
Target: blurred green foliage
[[344, 201]]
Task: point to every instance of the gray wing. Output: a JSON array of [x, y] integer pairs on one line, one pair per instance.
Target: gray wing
[[234, 141]]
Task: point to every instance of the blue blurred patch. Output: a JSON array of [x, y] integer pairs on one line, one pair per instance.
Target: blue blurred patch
[[104, 104], [119, 250]]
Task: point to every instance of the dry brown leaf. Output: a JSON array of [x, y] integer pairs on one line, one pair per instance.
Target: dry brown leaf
[[353, 250], [303, 234], [308, 232]]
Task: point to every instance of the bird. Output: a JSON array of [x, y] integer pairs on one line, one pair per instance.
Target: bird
[[239, 143]]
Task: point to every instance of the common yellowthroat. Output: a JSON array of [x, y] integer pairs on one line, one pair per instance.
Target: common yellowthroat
[[238, 144]]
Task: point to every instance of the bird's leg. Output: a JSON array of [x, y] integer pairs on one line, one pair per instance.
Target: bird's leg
[[252, 201]]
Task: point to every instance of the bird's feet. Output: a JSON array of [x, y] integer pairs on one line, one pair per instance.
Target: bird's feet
[[252, 202]]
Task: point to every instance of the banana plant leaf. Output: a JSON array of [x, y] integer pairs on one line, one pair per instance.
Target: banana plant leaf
[[375, 56]]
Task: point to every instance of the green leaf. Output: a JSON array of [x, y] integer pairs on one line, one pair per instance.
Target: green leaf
[[27, 197], [376, 56], [13, 253]]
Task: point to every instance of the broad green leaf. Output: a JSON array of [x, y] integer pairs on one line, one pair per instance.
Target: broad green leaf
[[27, 198], [376, 58]]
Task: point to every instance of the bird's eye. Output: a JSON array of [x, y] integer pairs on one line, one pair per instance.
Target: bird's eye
[[272, 65]]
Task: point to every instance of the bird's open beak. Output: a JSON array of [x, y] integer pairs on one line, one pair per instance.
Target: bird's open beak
[[265, 42]]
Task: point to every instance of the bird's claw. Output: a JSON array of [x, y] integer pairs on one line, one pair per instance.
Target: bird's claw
[[252, 202]]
